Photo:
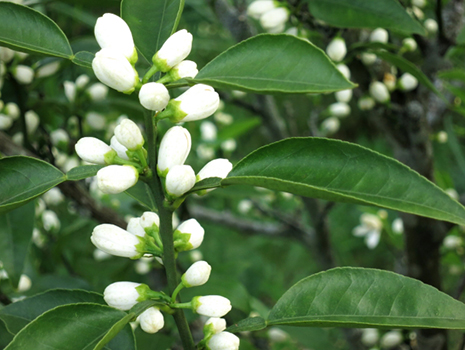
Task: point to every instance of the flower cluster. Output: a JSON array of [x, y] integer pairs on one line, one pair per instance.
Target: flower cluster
[[271, 14]]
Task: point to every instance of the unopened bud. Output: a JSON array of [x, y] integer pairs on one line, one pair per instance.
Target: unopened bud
[[259, 7], [214, 325], [23, 74], [370, 336], [419, 3], [211, 305], [6, 54], [116, 178], [379, 35], [345, 71], [124, 295], [398, 226], [82, 81], [24, 283], [149, 220], [70, 90], [151, 320], [208, 131], [135, 228], [189, 235], [174, 50], [53, 197], [154, 96], [32, 121], [368, 58], [331, 125], [339, 109], [48, 69], [174, 149], [337, 49], [391, 339], [379, 92], [390, 81], [95, 120], [452, 242], [179, 180], [119, 148], [366, 103], [407, 82], [431, 26], [128, 134], [223, 341], [344, 95], [97, 91], [185, 69], [115, 241], [59, 136], [216, 168], [92, 150], [196, 275], [12, 110], [410, 44], [50, 221], [274, 21], [5, 122]]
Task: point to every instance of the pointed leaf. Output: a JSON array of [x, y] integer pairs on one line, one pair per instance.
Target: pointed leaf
[[270, 63], [340, 171], [28, 30], [83, 172], [357, 297], [141, 193], [83, 59], [387, 14], [248, 325]]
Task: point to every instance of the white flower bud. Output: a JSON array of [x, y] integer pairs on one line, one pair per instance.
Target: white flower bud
[[452, 242], [174, 50], [208, 131], [97, 91], [370, 336], [122, 295], [48, 69], [40, 207], [259, 7], [185, 69], [391, 339], [12, 110], [407, 82], [115, 241], [223, 341], [398, 226], [189, 234], [149, 220], [53, 196], [154, 96], [135, 228], [195, 255], [337, 49], [82, 81], [442, 136], [179, 180], [143, 266], [21, 55], [228, 145], [70, 90], [211, 305], [24, 284], [368, 58], [216, 168], [379, 92], [128, 134], [100, 255], [197, 275], [23, 74], [50, 221], [371, 221], [119, 148], [390, 81], [6, 54], [18, 138], [345, 71], [199, 102], [379, 35], [205, 152], [32, 121], [151, 320], [92, 150], [419, 3], [410, 44], [70, 163], [214, 325], [5, 122], [331, 125], [431, 26], [274, 21], [366, 103], [59, 136], [174, 149], [95, 120], [417, 12], [112, 32], [116, 178], [344, 95], [277, 335], [452, 193], [114, 70], [339, 109]]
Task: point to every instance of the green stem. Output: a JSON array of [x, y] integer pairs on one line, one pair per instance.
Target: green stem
[[140, 154], [149, 74], [166, 231], [165, 79], [181, 306], [176, 291]]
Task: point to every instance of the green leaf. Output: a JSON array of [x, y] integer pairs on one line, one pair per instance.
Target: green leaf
[[83, 172], [83, 59], [249, 324], [28, 30], [357, 297], [15, 234], [151, 23], [340, 171], [272, 63], [239, 128], [17, 315], [387, 14], [72, 327], [27, 178], [205, 184], [141, 193], [454, 144], [453, 74]]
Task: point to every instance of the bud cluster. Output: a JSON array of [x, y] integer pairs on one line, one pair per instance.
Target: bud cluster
[[272, 14]]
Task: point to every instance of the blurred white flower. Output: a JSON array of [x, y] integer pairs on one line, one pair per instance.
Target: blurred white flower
[[370, 228]]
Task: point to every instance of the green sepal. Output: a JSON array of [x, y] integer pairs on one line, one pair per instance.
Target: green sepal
[[109, 157], [184, 282], [195, 303], [162, 173], [144, 292], [181, 241], [208, 331], [173, 112], [134, 57], [141, 248], [161, 64]]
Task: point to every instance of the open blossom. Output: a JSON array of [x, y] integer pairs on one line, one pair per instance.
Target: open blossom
[[370, 228], [174, 50]]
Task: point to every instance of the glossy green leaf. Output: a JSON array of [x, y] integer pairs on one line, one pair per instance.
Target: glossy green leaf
[[27, 178], [151, 22], [83, 59], [250, 324], [17, 315], [272, 63], [72, 327], [83, 172], [28, 30], [453, 74], [344, 172], [15, 235], [141, 193], [205, 184], [387, 14], [357, 297]]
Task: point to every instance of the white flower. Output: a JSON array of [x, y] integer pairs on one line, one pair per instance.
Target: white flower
[[339, 109], [331, 125], [112, 32], [122, 295], [419, 3], [391, 339], [417, 12], [135, 228], [189, 235], [179, 180], [228, 145], [128, 134], [50, 221], [368, 58], [70, 90], [431, 26], [370, 336], [100, 255], [95, 120], [410, 44], [259, 7], [197, 275], [216, 168], [119, 148], [452, 242], [143, 266], [70, 163], [370, 228], [92, 150], [151, 320], [211, 305], [337, 49], [379, 35], [208, 131], [442, 136], [115, 241], [82, 81], [174, 50], [12, 110], [379, 92], [223, 118], [23, 74], [205, 152], [5, 122], [32, 121], [345, 71], [116, 178], [40, 207], [53, 196], [223, 341], [59, 136], [199, 102], [48, 69], [174, 148], [185, 69], [6, 54], [149, 220], [274, 21], [366, 103], [24, 284], [214, 325], [390, 81], [407, 82], [246, 205], [344, 95], [154, 96], [277, 335], [398, 226], [452, 193], [97, 91], [114, 70]]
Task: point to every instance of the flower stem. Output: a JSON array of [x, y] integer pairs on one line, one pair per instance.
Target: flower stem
[[149, 74], [176, 291], [166, 231]]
